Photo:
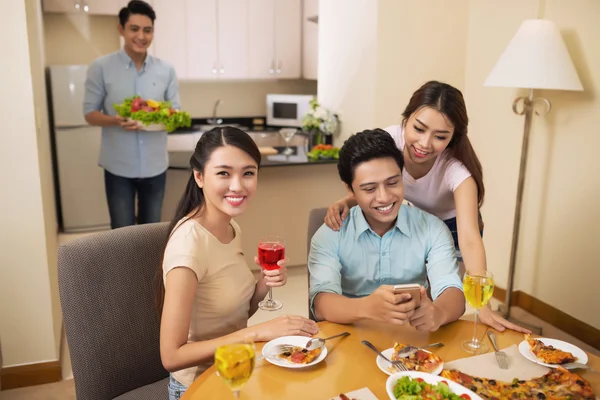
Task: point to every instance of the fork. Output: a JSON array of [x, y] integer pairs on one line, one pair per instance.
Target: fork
[[501, 357], [277, 350], [396, 364]]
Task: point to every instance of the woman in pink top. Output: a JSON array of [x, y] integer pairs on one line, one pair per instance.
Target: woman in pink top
[[208, 291], [442, 175]]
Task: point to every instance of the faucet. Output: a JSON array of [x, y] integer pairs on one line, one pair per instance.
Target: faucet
[[214, 120]]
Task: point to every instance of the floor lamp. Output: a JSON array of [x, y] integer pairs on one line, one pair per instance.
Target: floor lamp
[[535, 58]]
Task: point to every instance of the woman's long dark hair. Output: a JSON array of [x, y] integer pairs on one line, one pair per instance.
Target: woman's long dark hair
[[449, 101], [192, 200]]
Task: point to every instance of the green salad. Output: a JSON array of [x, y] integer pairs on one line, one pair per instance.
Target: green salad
[[153, 112], [408, 388]]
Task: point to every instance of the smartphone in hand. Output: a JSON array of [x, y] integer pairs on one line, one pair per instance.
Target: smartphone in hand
[[414, 289]]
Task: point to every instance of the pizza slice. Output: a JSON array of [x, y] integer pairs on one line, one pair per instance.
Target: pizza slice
[[300, 355], [420, 360], [549, 354]]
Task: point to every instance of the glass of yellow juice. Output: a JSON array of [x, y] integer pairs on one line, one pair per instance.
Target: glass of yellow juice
[[235, 364], [478, 289]]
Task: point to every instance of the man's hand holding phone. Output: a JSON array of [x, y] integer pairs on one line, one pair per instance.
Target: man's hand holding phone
[[390, 306], [427, 317]]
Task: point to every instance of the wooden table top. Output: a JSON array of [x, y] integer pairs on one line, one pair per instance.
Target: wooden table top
[[350, 365]]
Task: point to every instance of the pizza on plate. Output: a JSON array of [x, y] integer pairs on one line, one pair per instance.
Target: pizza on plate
[[300, 355], [557, 384], [549, 354], [420, 360]]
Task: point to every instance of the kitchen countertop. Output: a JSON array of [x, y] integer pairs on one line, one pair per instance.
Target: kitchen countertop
[[181, 159]]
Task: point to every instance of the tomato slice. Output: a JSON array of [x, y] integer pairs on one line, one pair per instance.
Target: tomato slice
[[465, 396], [298, 357], [420, 380]]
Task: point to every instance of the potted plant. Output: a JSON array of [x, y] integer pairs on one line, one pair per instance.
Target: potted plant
[[320, 123]]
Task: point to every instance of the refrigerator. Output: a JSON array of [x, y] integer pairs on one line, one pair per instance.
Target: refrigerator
[[79, 180]]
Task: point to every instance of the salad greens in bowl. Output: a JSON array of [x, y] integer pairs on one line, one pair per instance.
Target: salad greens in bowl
[[153, 115], [413, 385]]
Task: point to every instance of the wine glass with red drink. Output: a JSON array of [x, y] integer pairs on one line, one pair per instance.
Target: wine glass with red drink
[[271, 249]]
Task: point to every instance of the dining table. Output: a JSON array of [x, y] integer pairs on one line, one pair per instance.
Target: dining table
[[350, 365]]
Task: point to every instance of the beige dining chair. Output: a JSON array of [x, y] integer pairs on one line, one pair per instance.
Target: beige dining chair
[[315, 220]]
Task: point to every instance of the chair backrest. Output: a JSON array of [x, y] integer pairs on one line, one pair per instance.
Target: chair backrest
[[107, 283], [315, 220]]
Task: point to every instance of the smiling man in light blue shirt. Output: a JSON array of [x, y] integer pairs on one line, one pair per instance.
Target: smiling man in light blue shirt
[[380, 244], [134, 161]]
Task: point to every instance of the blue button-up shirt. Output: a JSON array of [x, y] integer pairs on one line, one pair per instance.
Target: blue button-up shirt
[[355, 261], [111, 79]]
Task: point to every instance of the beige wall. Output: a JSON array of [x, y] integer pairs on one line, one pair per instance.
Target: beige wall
[[375, 54], [417, 42], [26, 324], [348, 61], [37, 60], [80, 39], [558, 254]]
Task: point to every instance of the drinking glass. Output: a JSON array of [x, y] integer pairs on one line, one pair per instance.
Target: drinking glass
[[287, 134], [235, 364], [478, 290], [271, 249]]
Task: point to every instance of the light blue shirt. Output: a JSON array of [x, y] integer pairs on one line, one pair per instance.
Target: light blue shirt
[[111, 79], [355, 261]]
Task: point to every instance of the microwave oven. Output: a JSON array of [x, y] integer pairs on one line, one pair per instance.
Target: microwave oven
[[287, 109]]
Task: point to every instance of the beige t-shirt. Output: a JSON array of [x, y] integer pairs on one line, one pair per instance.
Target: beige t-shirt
[[225, 285]]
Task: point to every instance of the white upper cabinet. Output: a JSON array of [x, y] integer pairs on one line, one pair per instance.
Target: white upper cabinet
[[261, 46], [310, 40], [232, 39], [217, 39], [92, 7], [288, 38], [170, 34], [274, 39], [201, 39]]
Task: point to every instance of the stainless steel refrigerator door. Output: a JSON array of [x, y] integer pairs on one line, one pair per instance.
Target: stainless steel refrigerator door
[[67, 84], [81, 179]]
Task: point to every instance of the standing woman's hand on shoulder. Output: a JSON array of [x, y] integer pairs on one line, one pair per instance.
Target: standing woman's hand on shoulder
[[336, 214]]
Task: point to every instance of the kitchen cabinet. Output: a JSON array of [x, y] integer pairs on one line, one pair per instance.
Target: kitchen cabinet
[[232, 43], [170, 42], [216, 39], [91, 7], [310, 39], [274, 38]]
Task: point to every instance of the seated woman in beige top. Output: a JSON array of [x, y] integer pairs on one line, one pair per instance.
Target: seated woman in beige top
[[209, 292]]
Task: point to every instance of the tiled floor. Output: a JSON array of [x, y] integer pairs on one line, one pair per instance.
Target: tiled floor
[[295, 300]]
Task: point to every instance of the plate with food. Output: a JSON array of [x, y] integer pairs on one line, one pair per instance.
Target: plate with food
[[551, 352], [420, 360], [153, 115], [297, 356], [414, 385], [558, 383]]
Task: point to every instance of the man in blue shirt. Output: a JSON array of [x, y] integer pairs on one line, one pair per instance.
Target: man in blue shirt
[[380, 244], [134, 161]]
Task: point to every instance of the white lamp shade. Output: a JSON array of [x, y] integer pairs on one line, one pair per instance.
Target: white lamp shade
[[535, 58]]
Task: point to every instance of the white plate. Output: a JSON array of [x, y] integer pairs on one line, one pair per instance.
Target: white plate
[[388, 369], [433, 379], [525, 350], [151, 127], [301, 341]]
